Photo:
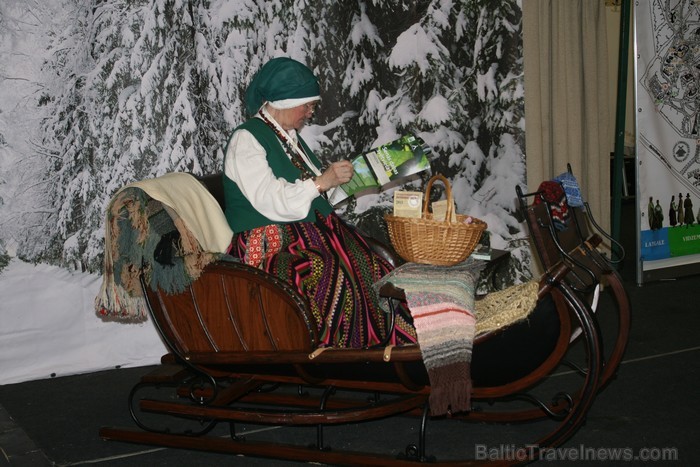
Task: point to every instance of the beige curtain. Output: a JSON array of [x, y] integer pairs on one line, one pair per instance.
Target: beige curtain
[[566, 97]]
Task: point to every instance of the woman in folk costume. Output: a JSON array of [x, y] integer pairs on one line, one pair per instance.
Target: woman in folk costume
[[658, 216], [275, 203], [689, 217], [672, 209], [651, 214]]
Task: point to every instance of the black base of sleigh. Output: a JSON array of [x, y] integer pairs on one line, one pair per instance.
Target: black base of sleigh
[[243, 353]]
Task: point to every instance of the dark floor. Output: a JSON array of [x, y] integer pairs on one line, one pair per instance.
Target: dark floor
[[650, 409]]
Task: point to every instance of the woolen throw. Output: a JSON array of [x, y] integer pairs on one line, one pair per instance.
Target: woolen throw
[[441, 302]]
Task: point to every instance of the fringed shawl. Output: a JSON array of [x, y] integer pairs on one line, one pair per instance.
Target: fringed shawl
[[148, 219]]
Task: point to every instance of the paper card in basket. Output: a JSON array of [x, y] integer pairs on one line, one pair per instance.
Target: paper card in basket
[[408, 204], [440, 211]]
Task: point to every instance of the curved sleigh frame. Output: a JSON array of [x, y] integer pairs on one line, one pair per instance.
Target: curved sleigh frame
[[243, 350], [590, 269]]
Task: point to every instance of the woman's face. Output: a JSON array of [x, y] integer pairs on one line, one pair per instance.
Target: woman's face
[[296, 117]]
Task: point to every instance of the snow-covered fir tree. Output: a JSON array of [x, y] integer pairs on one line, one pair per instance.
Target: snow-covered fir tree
[[451, 73], [145, 87], [25, 28], [490, 115]]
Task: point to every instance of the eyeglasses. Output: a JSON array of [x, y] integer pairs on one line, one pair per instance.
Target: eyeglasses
[[311, 107]]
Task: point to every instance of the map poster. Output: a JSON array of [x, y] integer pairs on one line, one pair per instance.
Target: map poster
[[668, 135]]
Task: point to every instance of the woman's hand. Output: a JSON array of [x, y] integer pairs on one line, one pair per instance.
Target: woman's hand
[[336, 174]]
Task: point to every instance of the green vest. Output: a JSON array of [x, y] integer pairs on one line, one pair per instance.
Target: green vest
[[241, 215]]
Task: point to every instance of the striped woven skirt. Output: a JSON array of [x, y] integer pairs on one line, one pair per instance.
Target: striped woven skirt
[[331, 264]]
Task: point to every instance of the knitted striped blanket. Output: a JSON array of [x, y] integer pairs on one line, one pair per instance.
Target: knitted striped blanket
[[441, 302]]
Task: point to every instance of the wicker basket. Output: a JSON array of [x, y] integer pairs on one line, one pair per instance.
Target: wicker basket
[[427, 241]]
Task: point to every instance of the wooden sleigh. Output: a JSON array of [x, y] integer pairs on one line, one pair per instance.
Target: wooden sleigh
[[243, 351]]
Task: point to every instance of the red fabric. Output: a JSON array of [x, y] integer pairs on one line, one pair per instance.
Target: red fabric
[[553, 193]]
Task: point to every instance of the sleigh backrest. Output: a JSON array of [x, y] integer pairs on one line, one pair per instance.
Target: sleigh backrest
[[215, 185], [554, 245]]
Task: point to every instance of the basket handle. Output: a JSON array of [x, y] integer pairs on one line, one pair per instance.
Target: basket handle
[[448, 192]]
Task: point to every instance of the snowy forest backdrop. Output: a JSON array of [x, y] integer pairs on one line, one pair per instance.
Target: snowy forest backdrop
[[95, 94]]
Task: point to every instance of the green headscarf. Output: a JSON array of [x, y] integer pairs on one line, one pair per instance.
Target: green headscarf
[[280, 78]]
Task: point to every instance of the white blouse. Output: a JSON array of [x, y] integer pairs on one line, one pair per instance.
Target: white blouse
[[275, 198]]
